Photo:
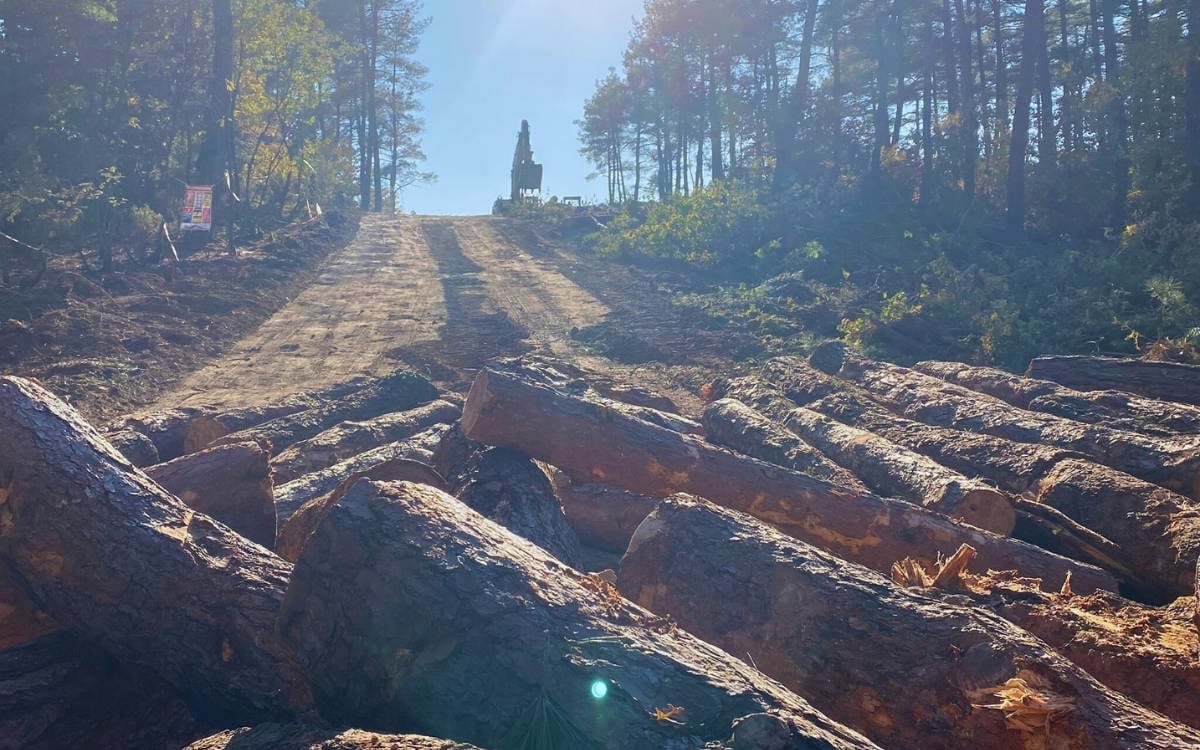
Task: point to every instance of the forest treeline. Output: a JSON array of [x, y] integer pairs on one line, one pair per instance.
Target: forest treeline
[[1042, 155], [112, 106]]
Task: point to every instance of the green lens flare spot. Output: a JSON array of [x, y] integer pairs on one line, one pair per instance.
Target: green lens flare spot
[[599, 689]]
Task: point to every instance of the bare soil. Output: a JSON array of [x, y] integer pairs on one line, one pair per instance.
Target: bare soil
[[314, 305]]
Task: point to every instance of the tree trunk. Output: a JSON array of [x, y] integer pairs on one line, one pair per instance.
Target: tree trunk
[[1114, 409], [290, 497], [1192, 109], [1171, 462], [134, 446], [735, 425], [893, 471], [348, 439], [397, 392], [300, 737], [603, 516], [910, 670], [507, 406], [1032, 35], [475, 634], [231, 483], [1170, 381], [166, 429], [1157, 531], [125, 565]]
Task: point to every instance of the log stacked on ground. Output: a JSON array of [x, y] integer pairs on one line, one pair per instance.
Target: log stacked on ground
[[1170, 381], [127, 566], [1171, 462], [1157, 531], [1116, 409], [21, 620], [166, 428], [399, 391], [301, 737], [406, 606], [347, 439], [135, 446], [231, 483], [603, 516], [910, 670], [508, 408], [733, 424], [291, 496]]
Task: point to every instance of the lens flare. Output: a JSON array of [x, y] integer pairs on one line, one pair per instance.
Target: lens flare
[[599, 689]]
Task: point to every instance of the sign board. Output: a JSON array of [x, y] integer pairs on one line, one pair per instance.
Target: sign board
[[197, 209]]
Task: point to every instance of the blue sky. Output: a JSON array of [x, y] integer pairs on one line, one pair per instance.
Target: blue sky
[[493, 63]]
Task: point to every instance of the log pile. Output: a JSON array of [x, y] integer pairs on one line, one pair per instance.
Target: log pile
[[881, 557]]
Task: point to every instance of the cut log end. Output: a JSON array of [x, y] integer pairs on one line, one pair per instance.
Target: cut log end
[[979, 505]]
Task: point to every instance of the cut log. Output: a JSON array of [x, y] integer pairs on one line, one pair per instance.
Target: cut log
[[509, 488], [127, 566], [206, 428], [1147, 653], [1157, 531], [231, 483], [461, 627], [635, 395], [1052, 530], [291, 496], [166, 429], [891, 470], [300, 527], [348, 439], [1170, 381], [734, 425], [1171, 462], [134, 446], [399, 391], [300, 737], [603, 516], [58, 692], [1122, 411], [909, 670], [21, 620], [505, 408]]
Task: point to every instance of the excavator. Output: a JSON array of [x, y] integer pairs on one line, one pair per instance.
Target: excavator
[[526, 174]]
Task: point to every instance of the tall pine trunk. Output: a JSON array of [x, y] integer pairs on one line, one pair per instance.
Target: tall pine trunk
[[1032, 36]]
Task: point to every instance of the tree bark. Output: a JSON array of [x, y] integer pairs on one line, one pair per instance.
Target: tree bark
[[1032, 35], [397, 392], [232, 484], [732, 424], [1157, 531], [910, 670], [603, 516], [21, 620], [348, 439], [1171, 462], [509, 408], [1170, 381], [167, 429], [134, 446], [291, 496], [894, 471], [438, 629], [1115, 409], [127, 566], [300, 737]]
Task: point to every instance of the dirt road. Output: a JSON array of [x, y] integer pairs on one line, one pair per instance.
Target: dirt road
[[444, 295]]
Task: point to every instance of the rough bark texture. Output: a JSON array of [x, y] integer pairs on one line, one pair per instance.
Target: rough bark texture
[[906, 668], [1157, 531], [1050, 529], [891, 470], [1170, 381], [506, 408], [300, 737], [603, 516], [411, 612], [510, 489], [1171, 462], [348, 439], [1122, 411], [606, 387], [291, 496], [129, 567], [734, 425], [21, 620], [1147, 653], [397, 392], [134, 446], [231, 483], [300, 527], [59, 692], [203, 430], [166, 429]]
